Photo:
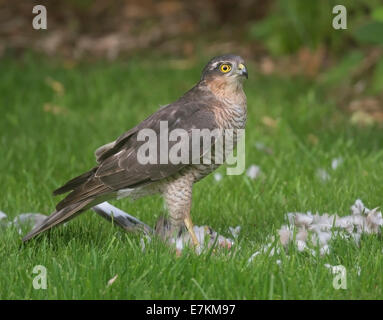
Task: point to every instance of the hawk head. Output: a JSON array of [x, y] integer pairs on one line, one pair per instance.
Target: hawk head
[[228, 68]]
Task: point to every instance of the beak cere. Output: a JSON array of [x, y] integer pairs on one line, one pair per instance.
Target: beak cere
[[242, 70]]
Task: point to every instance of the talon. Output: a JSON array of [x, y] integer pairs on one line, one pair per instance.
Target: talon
[[189, 226]]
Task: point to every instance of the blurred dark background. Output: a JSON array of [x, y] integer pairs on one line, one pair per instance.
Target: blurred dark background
[[287, 38], [79, 28]]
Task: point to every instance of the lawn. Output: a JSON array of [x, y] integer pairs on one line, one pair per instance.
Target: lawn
[[56, 113]]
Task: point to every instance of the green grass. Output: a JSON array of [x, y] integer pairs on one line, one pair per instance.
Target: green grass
[[41, 150]]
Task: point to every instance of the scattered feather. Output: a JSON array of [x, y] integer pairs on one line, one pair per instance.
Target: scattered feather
[[260, 146], [318, 230], [28, 220], [235, 231], [301, 245], [3, 220], [2, 215], [218, 176], [32, 219], [111, 281], [270, 249], [336, 162], [323, 175], [253, 171], [251, 259], [324, 250], [285, 235], [146, 239], [22, 220]]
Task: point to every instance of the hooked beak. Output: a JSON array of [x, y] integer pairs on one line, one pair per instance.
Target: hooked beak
[[242, 70]]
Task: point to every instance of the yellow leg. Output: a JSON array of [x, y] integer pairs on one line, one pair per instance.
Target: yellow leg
[[189, 226]]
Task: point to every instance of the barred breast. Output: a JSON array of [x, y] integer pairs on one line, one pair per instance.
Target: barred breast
[[228, 116]]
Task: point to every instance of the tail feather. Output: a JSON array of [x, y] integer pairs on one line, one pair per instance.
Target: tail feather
[[59, 217], [87, 194], [75, 182]]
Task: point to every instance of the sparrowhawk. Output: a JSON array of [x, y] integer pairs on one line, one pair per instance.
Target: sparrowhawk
[[217, 101]]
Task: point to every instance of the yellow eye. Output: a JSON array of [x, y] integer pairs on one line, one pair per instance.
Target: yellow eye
[[225, 68]]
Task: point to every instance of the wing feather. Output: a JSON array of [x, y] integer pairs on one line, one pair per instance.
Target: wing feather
[[123, 170]]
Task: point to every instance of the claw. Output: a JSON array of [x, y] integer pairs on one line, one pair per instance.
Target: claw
[[190, 227]]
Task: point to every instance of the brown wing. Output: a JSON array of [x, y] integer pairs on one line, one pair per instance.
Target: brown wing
[[121, 169]]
